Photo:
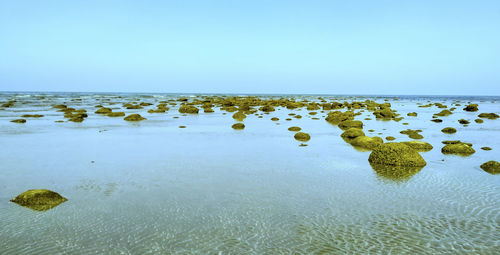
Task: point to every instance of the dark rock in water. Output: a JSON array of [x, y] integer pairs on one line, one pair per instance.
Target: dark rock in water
[[115, 114], [18, 121], [294, 129], [301, 136], [346, 124], [275, 119], [462, 149], [448, 130], [238, 126], [267, 108], [413, 114], [352, 133], [134, 117], [479, 120], [39, 199], [486, 148], [32, 116], [437, 120], [463, 121], [390, 138], [366, 142], [492, 167], [396, 154], [490, 116], [188, 109], [182, 126], [471, 108], [419, 145]]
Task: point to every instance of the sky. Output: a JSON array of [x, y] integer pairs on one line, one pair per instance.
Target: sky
[[258, 46]]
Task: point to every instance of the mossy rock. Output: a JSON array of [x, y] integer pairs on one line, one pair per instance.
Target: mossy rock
[[352, 133], [443, 113], [437, 120], [366, 142], [463, 121], [412, 114], [479, 121], [492, 167], [346, 124], [18, 121], [238, 126], [188, 109], [395, 173], [471, 108], [486, 148], [419, 145], [239, 116], [461, 149], [115, 114], [385, 113], [134, 117], [275, 119], [390, 138], [267, 108], [448, 130], [301, 136], [396, 154], [103, 110], [294, 129], [39, 199], [208, 110], [490, 116]]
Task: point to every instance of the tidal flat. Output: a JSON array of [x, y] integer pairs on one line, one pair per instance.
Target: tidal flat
[[292, 177]]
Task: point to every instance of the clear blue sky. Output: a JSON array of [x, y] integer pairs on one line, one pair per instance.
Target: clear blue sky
[[255, 46]]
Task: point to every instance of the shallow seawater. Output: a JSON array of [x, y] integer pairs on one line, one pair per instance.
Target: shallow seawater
[[152, 187]]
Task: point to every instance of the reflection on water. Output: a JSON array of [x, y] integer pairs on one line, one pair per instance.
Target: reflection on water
[[395, 173], [151, 187]]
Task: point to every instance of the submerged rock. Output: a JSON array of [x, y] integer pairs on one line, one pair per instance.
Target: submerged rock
[[32, 116], [18, 121], [486, 148], [419, 145], [366, 142], [396, 154], [492, 167], [448, 130], [294, 129], [301, 136], [134, 117], [188, 109], [39, 199], [462, 149], [471, 108], [238, 126]]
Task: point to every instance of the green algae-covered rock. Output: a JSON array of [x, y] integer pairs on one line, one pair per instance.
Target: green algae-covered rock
[[134, 117], [267, 108], [103, 110], [115, 114], [419, 145], [486, 148], [238, 126], [366, 142], [413, 134], [396, 154], [352, 133], [448, 130], [471, 108], [463, 121], [294, 129], [18, 121], [39, 199], [479, 121], [188, 109], [412, 114], [385, 113], [32, 116], [301, 136], [336, 117], [208, 110], [443, 113], [462, 149], [492, 167], [239, 116], [346, 124], [490, 116], [437, 120], [390, 138]]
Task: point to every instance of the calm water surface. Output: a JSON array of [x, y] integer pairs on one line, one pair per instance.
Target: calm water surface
[[151, 187]]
